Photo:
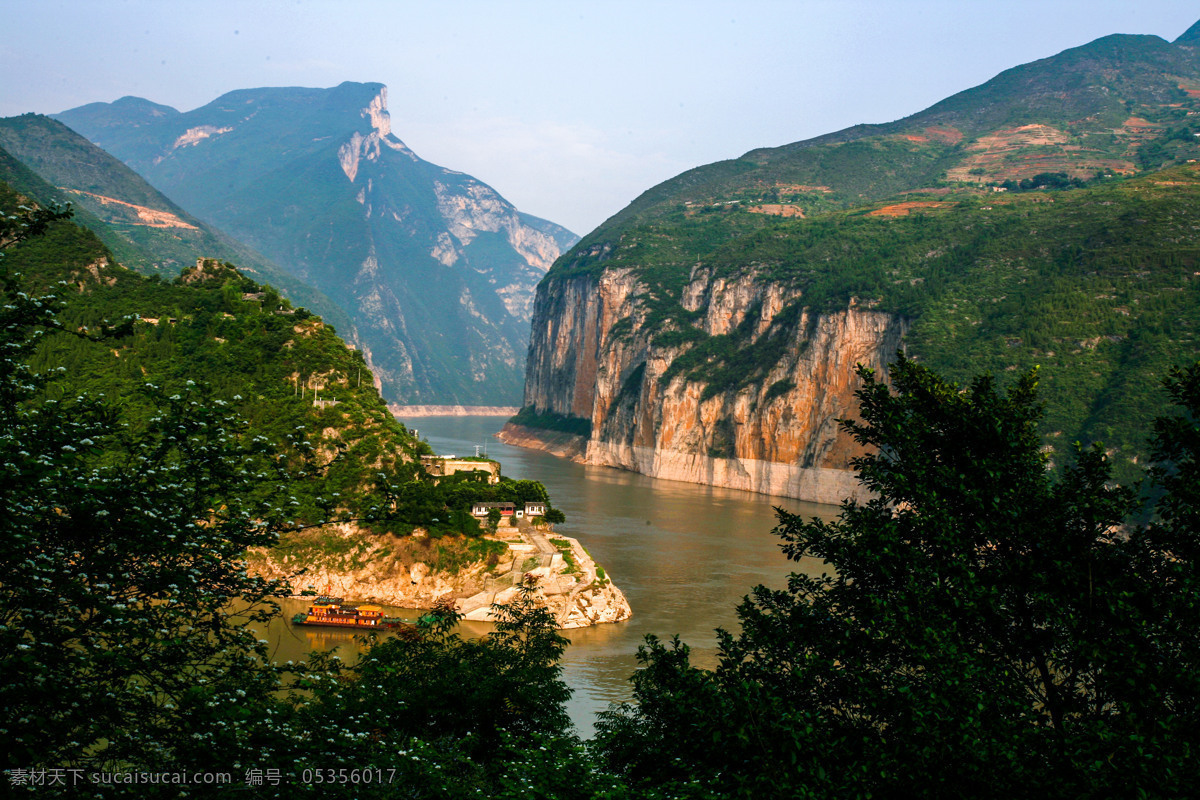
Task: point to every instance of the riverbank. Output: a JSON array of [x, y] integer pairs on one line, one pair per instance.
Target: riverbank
[[403, 412], [684, 554], [416, 571], [576, 590], [556, 443], [811, 484]]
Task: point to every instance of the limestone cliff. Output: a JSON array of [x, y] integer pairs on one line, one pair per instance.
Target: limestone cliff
[[593, 355]]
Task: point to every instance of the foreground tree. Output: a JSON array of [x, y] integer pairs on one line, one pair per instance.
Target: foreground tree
[[124, 598], [984, 628], [129, 624], [443, 716]]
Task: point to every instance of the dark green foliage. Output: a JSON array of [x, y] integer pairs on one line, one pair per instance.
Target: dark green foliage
[[1044, 181], [621, 329], [442, 505], [122, 585], [778, 389], [984, 629], [531, 417], [677, 337]]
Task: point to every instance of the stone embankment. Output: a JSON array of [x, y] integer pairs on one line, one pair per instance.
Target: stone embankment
[[570, 584], [403, 572]]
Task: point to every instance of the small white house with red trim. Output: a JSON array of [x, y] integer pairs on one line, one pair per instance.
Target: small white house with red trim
[[509, 509]]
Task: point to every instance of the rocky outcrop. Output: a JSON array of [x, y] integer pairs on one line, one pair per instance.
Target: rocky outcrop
[[569, 583], [593, 356], [563, 445], [404, 571]]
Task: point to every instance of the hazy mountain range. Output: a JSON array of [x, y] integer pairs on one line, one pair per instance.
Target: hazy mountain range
[[435, 269]]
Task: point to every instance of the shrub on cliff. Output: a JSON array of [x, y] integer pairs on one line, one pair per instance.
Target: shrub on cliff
[[985, 629]]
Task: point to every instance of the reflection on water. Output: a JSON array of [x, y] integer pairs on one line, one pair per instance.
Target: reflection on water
[[685, 555]]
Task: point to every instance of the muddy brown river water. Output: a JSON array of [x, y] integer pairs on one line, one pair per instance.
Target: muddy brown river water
[[684, 555]]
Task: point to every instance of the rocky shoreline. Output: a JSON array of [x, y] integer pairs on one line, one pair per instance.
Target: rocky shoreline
[[556, 443], [403, 412], [364, 567], [812, 484]]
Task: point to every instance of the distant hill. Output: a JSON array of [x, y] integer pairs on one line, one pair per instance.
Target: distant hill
[[436, 269], [1115, 106], [144, 230]]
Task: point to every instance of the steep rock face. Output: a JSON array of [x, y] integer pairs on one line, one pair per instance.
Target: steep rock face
[[778, 435], [435, 268]]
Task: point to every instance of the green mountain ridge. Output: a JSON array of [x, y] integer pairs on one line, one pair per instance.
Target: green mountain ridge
[[1044, 218], [236, 341], [436, 269], [1087, 93]]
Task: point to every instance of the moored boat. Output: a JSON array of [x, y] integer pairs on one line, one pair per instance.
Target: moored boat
[[334, 614]]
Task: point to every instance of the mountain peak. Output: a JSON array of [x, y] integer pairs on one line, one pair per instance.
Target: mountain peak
[[369, 98], [131, 102], [377, 110], [1191, 36]]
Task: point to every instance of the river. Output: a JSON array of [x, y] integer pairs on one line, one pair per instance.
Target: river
[[684, 555]]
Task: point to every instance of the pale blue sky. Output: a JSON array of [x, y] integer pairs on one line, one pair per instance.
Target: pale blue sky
[[569, 109]]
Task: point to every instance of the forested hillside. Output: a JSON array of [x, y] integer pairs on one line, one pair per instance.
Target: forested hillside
[[708, 332], [215, 336], [145, 231]]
